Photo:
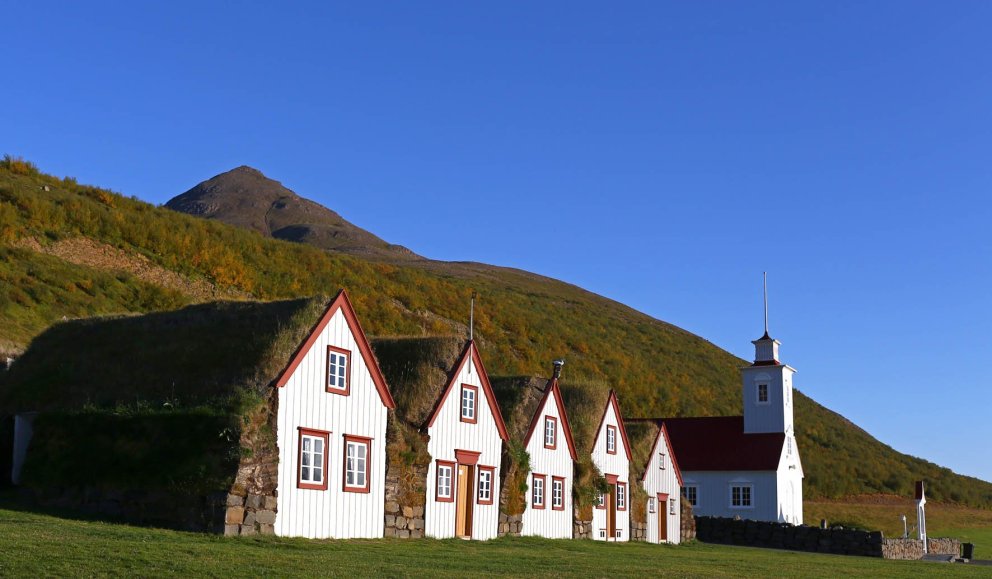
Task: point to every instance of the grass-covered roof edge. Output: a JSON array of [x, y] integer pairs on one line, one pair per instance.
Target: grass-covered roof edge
[[552, 388], [471, 352], [623, 429], [662, 432]]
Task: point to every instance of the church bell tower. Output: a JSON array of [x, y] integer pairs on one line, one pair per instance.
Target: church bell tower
[[767, 386]]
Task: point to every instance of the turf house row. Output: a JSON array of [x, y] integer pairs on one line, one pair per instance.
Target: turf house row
[[284, 418]]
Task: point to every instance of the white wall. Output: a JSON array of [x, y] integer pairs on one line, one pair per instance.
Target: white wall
[[657, 480], [448, 434], [713, 493], [303, 402], [616, 464], [548, 522], [777, 414], [790, 484]]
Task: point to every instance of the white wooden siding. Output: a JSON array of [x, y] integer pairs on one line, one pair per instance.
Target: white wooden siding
[[713, 493], [667, 482], [303, 402], [548, 522], [776, 415], [448, 434], [612, 464]]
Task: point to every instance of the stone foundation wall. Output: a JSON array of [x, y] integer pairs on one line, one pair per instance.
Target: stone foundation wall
[[251, 500], [912, 549], [581, 528], [688, 522], [250, 514], [404, 510], [509, 525], [638, 531]]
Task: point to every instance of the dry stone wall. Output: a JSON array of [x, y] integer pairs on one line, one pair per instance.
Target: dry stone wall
[[581, 528], [912, 549], [638, 531], [688, 522], [404, 509]]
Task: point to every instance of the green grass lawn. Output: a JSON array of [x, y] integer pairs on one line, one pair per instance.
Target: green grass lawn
[[37, 545]]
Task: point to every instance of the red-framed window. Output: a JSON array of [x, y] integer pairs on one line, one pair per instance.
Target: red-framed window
[[469, 404], [558, 493], [611, 439], [311, 459], [550, 432], [338, 376], [601, 501], [537, 490], [444, 483], [621, 496], [487, 476], [356, 463]]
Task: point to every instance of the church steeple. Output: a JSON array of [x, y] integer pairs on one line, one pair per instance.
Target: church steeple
[[767, 385]]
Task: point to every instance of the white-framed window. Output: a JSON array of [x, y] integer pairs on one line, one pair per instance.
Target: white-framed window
[[611, 439], [557, 493], [690, 494], [470, 395], [661, 461], [651, 504], [740, 496], [602, 533], [762, 393], [619, 534], [537, 491], [550, 432], [788, 445], [356, 468], [445, 480], [313, 459], [337, 370], [671, 506], [621, 496], [601, 500], [485, 486]]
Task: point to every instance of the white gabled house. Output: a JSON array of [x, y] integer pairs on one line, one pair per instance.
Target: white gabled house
[[466, 434], [548, 503], [611, 455], [331, 432], [662, 480]]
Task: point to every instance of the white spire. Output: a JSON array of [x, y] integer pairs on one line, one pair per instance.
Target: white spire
[[764, 276]]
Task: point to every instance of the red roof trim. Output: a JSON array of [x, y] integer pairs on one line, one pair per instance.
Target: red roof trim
[[719, 443], [344, 304], [471, 350], [565, 427], [616, 410]]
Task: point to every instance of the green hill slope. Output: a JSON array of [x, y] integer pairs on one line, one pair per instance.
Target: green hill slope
[[160, 259]]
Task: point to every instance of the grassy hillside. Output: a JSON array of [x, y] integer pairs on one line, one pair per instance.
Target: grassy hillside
[[522, 320], [45, 545]]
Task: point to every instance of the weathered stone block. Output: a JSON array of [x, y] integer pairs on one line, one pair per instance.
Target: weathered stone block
[[265, 517], [418, 511], [232, 530], [269, 504], [234, 515], [255, 502], [418, 524], [390, 520], [266, 529], [247, 530], [249, 519], [235, 500], [416, 534], [392, 507], [400, 522], [404, 534], [408, 512]]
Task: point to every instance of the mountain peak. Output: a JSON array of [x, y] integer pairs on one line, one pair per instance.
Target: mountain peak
[[245, 197]]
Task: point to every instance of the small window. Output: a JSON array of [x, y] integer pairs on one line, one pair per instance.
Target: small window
[[619, 534], [338, 370], [651, 504], [611, 439], [356, 468], [661, 460], [740, 496], [537, 491], [601, 501], [550, 432], [671, 506], [486, 485], [313, 459], [762, 393], [602, 533], [558, 493], [689, 493], [788, 445], [621, 496], [445, 482], [469, 403]]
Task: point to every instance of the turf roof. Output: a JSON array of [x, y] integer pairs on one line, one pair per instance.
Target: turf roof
[[417, 370], [202, 354]]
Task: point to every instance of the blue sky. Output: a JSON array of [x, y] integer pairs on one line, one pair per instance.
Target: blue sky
[[673, 151]]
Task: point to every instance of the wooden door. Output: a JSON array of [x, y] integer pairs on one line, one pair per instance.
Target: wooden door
[[662, 518], [463, 502], [611, 514]]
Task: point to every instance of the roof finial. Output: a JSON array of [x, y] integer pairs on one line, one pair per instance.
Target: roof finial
[[764, 276], [558, 364], [471, 319]]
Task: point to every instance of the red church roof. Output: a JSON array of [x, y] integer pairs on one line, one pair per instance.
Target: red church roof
[[719, 443]]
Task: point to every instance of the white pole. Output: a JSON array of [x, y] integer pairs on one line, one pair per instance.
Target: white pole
[[764, 276]]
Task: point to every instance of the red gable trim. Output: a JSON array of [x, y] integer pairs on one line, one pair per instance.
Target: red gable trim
[[471, 350], [663, 432], [548, 391], [344, 304], [467, 456], [623, 429]]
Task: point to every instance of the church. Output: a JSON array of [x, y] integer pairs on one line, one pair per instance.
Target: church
[[748, 465]]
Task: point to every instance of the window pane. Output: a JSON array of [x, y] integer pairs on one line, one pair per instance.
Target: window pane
[[305, 473]]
